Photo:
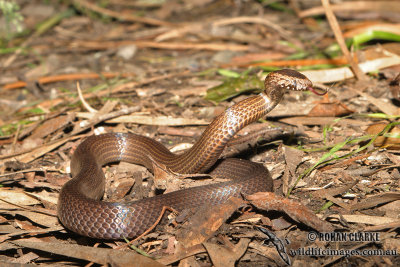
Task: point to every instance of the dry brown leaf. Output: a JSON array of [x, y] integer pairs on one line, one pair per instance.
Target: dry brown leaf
[[31, 232], [293, 158], [98, 255], [52, 125], [334, 191], [40, 151], [381, 141], [28, 257], [392, 209], [391, 243], [226, 256], [148, 120], [17, 197], [206, 221], [376, 200], [270, 201], [184, 253], [44, 196], [39, 218], [332, 109], [384, 226]]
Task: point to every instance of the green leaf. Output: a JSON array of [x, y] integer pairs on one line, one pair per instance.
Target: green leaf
[[228, 73], [381, 116], [374, 35], [326, 206], [233, 87]]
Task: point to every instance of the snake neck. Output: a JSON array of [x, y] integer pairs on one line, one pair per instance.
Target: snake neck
[[206, 151]]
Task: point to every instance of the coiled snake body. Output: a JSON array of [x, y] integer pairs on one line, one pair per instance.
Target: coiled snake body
[[81, 210]]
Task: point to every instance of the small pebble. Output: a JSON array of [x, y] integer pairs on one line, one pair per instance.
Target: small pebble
[[127, 52]]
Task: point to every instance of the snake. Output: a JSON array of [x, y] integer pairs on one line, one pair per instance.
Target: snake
[[80, 206]]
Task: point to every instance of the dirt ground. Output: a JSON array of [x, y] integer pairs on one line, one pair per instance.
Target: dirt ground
[[164, 70]]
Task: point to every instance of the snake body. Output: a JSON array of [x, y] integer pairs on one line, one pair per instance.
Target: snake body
[[81, 210]]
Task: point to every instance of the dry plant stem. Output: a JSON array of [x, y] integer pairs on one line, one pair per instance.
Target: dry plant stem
[[84, 103], [295, 6], [16, 138], [197, 27], [32, 232], [285, 34], [68, 77], [104, 117], [293, 62], [339, 38], [39, 210], [121, 16], [103, 45], [355, 6], [334, 191], [344, 163], [178, 32]]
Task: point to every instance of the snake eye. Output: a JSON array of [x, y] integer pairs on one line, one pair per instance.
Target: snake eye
[[295, 84]]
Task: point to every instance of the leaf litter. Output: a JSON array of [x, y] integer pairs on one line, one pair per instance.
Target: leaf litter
[[334, 161]]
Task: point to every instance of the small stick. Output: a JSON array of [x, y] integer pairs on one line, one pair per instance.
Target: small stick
[[339, 38]]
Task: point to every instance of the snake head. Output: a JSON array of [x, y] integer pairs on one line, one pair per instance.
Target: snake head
[[278, 82], [288, 79]]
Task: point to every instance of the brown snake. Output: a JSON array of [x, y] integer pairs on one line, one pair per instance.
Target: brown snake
[[81, 210]]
